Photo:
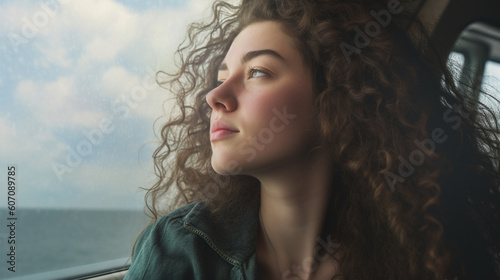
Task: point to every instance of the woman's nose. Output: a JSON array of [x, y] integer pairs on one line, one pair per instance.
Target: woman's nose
[[223, 98]]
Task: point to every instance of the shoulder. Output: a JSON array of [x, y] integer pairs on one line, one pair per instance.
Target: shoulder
[[175, 219], [184, 245], [165, 228], [168, 231], [164, 248]]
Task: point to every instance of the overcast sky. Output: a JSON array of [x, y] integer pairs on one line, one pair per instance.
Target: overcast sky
[[78, 100]]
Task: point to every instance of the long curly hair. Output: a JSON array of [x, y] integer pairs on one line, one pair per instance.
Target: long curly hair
[[416, 161]]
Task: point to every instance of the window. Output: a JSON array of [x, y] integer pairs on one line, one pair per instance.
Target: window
[[477, 54], [456, 62], [78, 101], [491, 84], [478, 44]]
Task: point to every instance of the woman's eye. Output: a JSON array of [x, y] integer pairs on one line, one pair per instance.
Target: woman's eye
[[255, 73], [218, 83]]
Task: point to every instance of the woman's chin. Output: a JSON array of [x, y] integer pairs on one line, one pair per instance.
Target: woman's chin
[[229, 167]]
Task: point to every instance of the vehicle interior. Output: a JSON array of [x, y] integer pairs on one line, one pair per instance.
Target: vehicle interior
[[467, 32]]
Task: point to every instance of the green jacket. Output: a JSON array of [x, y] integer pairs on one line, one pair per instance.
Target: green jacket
[[189, 244]]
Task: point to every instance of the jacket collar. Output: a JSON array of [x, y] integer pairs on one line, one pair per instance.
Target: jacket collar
[[235, 243]]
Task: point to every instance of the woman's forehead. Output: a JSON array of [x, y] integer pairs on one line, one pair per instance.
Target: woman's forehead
[[265, 37]]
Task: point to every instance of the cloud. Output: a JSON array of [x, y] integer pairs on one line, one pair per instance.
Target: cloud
[[107, 28], [87, 59], [13, 15], [29, 147], [24, 141], [89, 38], [9, 142], [54, 54], [117, 80], [144, 94], [108, 181], [57, 104]]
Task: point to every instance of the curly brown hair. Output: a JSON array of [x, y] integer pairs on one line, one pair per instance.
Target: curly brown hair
[[417, 160]]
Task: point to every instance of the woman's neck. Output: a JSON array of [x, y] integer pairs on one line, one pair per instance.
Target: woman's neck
[[294, 199]]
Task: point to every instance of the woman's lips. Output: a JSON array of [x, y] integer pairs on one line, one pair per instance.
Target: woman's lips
[[221, 134], [221, 130]]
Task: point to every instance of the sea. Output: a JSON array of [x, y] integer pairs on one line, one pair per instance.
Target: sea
[[66, 243]]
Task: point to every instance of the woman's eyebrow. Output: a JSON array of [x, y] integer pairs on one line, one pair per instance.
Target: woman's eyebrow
[[253, 54]]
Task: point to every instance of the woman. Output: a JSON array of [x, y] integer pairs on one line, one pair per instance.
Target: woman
[[307, 150]]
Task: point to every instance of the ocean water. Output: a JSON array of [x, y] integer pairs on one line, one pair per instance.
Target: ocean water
[[49, 240]]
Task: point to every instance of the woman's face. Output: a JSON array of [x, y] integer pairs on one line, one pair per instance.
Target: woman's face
[[262, 113]]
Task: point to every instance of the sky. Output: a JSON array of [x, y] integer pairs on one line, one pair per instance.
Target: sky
[[78, 99]]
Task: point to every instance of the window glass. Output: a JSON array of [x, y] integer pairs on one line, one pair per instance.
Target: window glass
[[456, 63], [78, 100], [491, 84]]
